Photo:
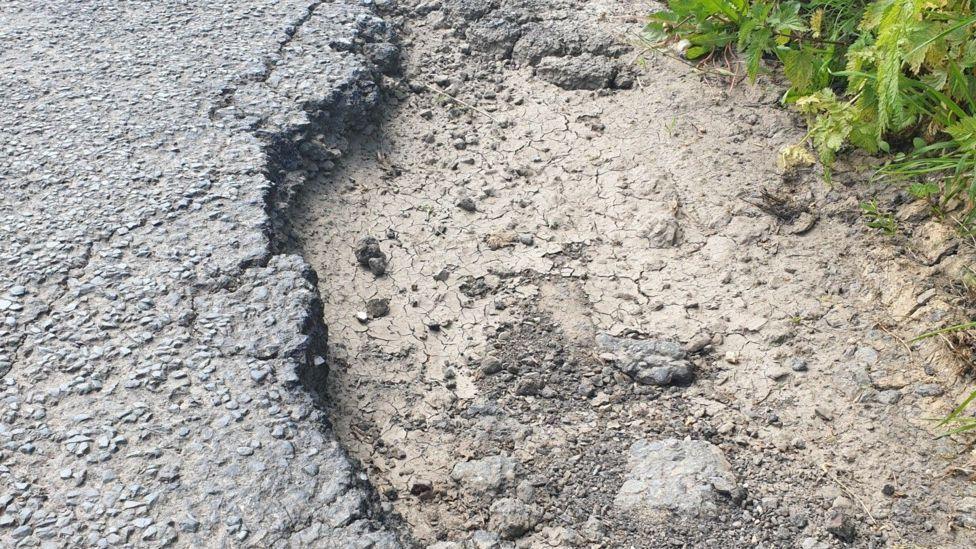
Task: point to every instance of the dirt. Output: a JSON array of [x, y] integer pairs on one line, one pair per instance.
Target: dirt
[[532, 190]]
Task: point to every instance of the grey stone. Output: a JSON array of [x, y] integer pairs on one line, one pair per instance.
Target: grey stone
[[378, 307], [491, 365], [487, 475], [840, 525], [683, 477], [189, 524], [21, 532], [512, 518], [797, 364], [929, 390], [496, 36], [585, 72], [482, 539], [890, 396], [467, 204], [368, 248], [650, 361]]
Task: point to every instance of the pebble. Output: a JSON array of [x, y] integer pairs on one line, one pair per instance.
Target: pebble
[[890, 396], [840, 525], [929, 390], [467, 203], [378, 307], [797, 364]]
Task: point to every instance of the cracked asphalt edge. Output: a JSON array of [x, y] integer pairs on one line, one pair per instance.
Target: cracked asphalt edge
[[215, 437]]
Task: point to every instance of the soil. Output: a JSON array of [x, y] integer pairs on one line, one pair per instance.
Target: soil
[[532, 183]]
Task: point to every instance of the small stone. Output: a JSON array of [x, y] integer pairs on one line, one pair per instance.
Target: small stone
[[17, 291], [840, 525], [378, 307], [368, 248], [362, 316], [674, 476], [168, 473], [491, 365], [512, 518], [529, 386], [929, 390], [698, 343], [526, 239], [189, 524], [377, 266], [797, 364], [421, 488], [467, 204], [731, 357], [888, 490], [648, 361], [442, 275], [21, 532], [890, 396], [777, 374]]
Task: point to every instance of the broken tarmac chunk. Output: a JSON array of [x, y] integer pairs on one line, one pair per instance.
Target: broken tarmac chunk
[[487, 475], [648, 361], [675, 477]]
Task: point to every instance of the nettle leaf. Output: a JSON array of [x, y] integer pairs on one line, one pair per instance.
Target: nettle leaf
[[873, 14], [786, 19], [919, 44], [963, 133], [800, 67], [755, 49]]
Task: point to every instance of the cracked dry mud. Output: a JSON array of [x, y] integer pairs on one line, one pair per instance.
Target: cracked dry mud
[[524, 223]]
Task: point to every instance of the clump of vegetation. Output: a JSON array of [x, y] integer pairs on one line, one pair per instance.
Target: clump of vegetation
[[877, 219], [885, 76]]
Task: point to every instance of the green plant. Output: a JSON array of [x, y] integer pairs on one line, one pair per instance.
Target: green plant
[[865, 74], [878, 219]]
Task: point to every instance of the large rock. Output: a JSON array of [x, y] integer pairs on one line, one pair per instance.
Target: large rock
[[584, 72], [490, 474], [647, 361], [667, 477]]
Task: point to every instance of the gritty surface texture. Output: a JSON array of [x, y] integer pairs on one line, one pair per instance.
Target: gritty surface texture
[[685, 477], [496, 349], [156, 360], [520, 221]]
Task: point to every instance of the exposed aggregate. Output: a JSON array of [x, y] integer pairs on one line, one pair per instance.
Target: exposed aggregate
[[155, 357]]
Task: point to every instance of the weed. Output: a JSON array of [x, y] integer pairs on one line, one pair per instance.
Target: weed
[[878, 219], [867, 74]]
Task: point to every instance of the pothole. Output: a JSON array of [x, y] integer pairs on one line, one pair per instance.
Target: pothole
[[518, 221]]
